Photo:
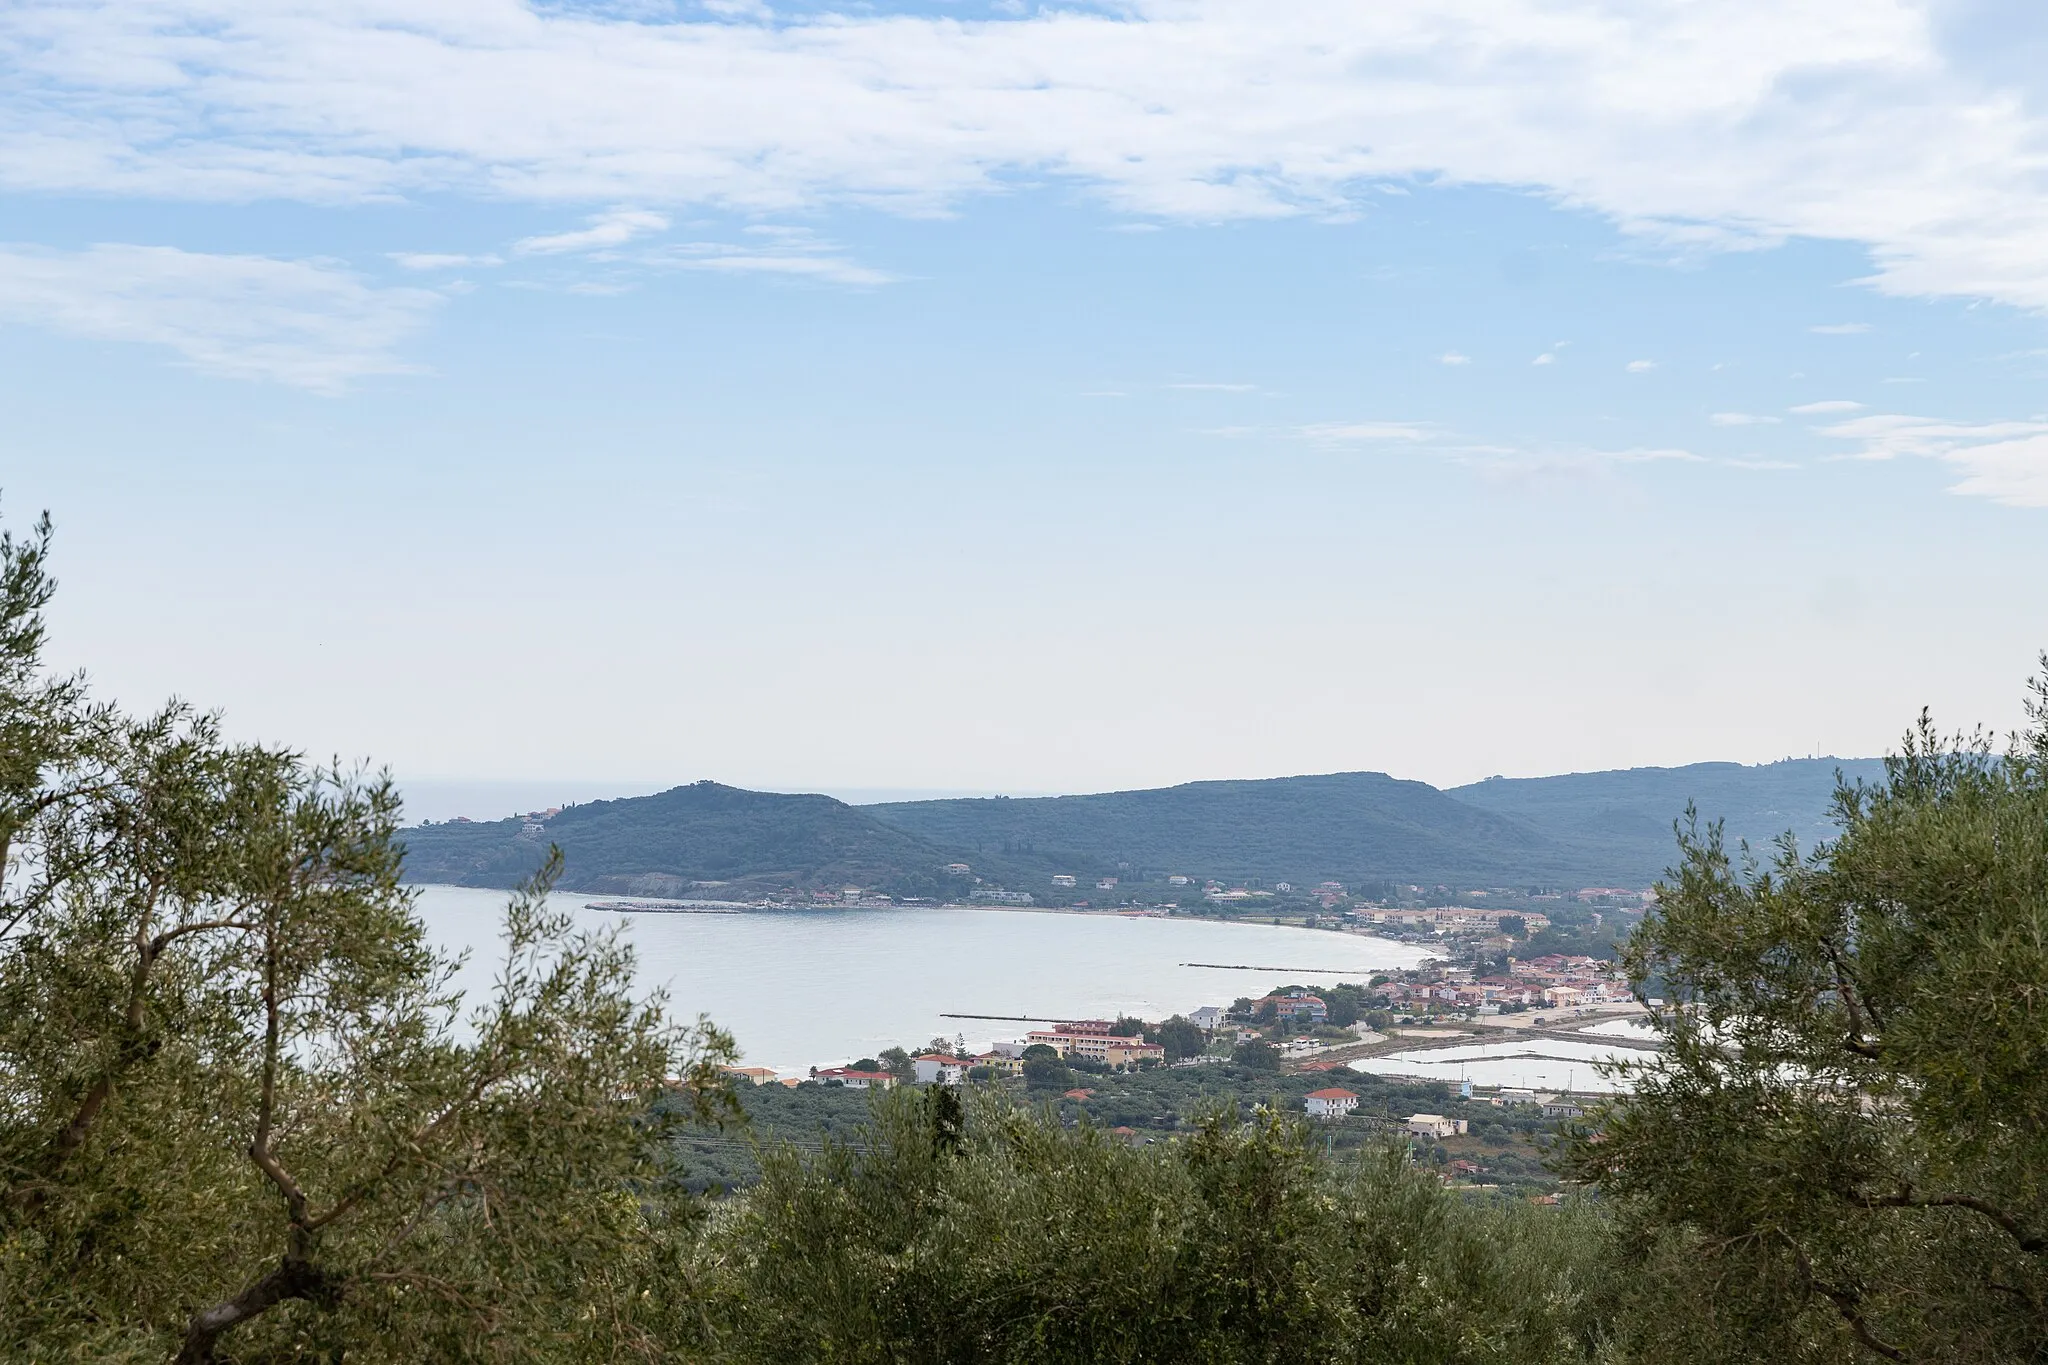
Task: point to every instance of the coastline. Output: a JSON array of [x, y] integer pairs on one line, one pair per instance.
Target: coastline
[[660, 905]]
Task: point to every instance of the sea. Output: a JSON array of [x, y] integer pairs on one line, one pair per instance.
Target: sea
[[801, 988]]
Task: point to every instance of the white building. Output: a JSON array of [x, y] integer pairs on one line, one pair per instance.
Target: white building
[[1434, 1126], [1208, 1018], [936, 1068], [1329, 1104], [855, 1080], [1063, 879]]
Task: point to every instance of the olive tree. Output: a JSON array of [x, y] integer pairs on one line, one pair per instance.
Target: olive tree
[[1844, 1147], [243, 1111]]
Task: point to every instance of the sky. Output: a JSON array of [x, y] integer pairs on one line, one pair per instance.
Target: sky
[[985, 397]]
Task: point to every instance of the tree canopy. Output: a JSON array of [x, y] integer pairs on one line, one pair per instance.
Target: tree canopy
[[1847, 1139], [244, 1110]]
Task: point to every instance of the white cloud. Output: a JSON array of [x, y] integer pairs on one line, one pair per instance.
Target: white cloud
[[1538, 461], [1840, 329], [1720, 126], [1741, 419], [612, 229], [1453, 358], [432, 260], [309, 324], [1545, 359], [2004, 461], [771, 250], [1826, 405], [1640, 366]]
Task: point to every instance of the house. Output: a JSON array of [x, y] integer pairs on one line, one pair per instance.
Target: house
[[1000, 1062], [1208, 1018], [937, 1068], [1107, 1048], [855, 1080], [1297, 1005], [1175, 880], [1106, 884], [1283, 887], [1075, 1094], [752, 1075], [1560, 1107], [958, 869], [1332, 1103], [1063, 879], [1434, 1126]]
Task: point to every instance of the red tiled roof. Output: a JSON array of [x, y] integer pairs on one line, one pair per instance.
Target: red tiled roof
[[1077, 1094], [942, 1059], [1331, 1094]]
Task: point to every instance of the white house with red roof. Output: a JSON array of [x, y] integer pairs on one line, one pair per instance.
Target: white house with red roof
[[854, 1080], [1331, 1103]]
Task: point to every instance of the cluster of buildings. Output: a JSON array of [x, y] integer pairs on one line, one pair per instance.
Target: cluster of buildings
[[1453, 919], [1553, 981], [1090, 1040]]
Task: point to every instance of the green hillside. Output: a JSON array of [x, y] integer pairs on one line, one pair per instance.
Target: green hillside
[[663, 845], [1611, 828], [1349, 826], [1621, 820]]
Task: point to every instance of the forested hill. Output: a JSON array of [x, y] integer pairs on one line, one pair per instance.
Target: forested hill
[[1343, 825], [665, 844], [1610, 828], [1623, 818]]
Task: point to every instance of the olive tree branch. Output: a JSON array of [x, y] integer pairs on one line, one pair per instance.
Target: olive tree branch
[[1848, 1303]]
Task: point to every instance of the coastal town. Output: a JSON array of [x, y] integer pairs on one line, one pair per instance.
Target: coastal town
[[1350, 1057]]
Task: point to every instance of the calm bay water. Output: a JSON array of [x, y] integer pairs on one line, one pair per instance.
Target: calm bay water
[[803, 988]]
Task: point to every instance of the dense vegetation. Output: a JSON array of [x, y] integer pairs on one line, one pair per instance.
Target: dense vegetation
[[1507, 1146], [1850, 1129], [991, 1236], [241, 1119]]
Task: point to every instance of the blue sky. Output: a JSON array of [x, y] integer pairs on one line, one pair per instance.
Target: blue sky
[[975, 398]]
